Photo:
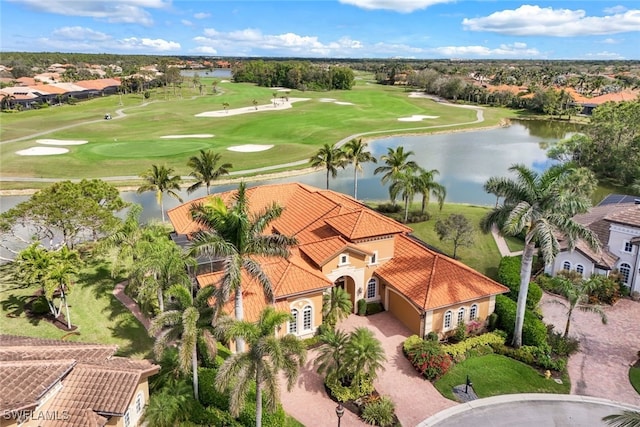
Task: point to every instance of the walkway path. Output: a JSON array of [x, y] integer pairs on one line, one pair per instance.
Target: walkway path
[[130, 304], [502, 244]]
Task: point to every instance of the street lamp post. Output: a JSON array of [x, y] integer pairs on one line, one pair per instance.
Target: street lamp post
[[339, 412]]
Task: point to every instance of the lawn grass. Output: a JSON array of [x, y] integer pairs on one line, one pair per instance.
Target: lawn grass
[[514, 243], [634, 378], [289, 421], [482, 256], [494, 375], [128, 146], [99, 316]]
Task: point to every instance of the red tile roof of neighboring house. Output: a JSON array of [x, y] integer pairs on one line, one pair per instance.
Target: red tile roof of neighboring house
[[431, 280], [26, 81], [613, 97], [98, 84], [47, 89]]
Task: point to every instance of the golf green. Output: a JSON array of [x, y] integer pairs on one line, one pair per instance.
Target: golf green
[[146, 149]]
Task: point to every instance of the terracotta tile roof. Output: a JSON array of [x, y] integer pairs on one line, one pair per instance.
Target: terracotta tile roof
[[364, 223], [26, 81], [629, 216], [51, 352], [98, 84], [25, 382], [613, 97], [322, 251], [431, 280], [47, 89]]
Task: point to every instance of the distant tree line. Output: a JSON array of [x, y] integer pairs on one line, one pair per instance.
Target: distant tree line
[[302, 75]]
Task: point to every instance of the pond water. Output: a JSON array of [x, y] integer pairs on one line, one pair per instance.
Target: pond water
[[465, 161], [222, 73]]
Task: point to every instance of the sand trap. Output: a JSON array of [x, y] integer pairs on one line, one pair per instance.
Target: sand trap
[[327, 100], [195, 135], [280, 105], [343, 103], [249, 148], [225, 81], [416, 118], [41, 151], [61, 141], [283, 90]]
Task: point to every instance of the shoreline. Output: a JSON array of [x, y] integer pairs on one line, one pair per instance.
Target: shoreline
[[274, 175]]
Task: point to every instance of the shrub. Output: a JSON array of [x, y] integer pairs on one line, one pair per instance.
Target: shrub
[[492, 321], [432, 336], [379, 412], [40, 306], [211, 416], [562, 346], [208, 394], [457, 351], [429, 359], [247, 416], [343, 393], [388, 208], [605, 291], [534, 332], [374, 308], [412, 341], [362, 307], [460, 333], [509, 275]]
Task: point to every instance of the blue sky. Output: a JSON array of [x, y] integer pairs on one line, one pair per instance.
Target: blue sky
[[482, 29]]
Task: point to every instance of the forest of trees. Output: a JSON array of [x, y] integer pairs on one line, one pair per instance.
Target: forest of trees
[[302, 75]]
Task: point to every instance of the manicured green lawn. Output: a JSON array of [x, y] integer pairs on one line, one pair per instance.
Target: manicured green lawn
[[494, 375], [128, 146], [483, 255], [514, 243], [99, 316], [292, 422], [634, 378]]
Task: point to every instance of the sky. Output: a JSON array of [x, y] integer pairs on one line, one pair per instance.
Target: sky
[[420, 29]]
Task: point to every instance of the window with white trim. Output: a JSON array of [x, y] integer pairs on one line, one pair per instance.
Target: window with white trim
[[344, 259], [625, 273], [628, 247], [579, 268], [127, 419], [372, 288], [306, 318], [473, 312], [461, 311], [447, 320], [293, 323], [374, 258], [566, 266], [139, 403]]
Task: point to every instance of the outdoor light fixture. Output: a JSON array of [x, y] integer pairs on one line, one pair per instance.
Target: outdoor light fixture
[[339, 412]]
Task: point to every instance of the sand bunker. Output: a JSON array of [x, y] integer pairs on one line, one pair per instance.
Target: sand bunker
[[416, 118], [225, 81], [61, 141], [42, 151], [327, 100], [343, 103], [249, 148], [280, 105], [195, 135], [283, 90]]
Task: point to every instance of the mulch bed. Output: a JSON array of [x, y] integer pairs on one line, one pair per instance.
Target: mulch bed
[[59, 322]]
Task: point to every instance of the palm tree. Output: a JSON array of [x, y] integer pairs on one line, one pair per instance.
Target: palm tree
[[577, 294], [331, 354], [406, 183], [336, 305], [61, 276], [189, 319], [395, 162], [158, 179], [427, 186], [267, 356], [356, 153], [205, 169], [364, 356], [169, 406], [625, 419], [235, 235], [330, 158], [540, 205]]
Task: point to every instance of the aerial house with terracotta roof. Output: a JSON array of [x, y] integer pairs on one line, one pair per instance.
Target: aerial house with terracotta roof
[[341, 242]]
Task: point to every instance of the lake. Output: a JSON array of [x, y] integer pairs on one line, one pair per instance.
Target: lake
[[465, 161], [221, 73]]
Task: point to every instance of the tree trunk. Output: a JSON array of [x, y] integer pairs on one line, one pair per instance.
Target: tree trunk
[[66, 307], [355, 181], [194, 368], [406, 209], [525, 276], [162, 209], [424, 203], [258, 397], [239, 309], [327, 179], [566, 328], [160, 299]]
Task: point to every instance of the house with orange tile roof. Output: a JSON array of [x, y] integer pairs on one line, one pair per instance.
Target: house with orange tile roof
[[590, 104], [343, 243], [52, 383]]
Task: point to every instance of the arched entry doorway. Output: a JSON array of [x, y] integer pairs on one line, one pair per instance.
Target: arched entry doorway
[[348, 285]]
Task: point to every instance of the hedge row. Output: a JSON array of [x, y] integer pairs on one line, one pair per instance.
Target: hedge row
[[509, 275], [457, 351], [534, 332]]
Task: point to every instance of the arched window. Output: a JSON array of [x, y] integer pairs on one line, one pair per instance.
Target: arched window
[[306, 318], [372, 288], [293, 323], [579, 268], [461, 311], [447, 320], [473, 312], [566, 266], [139, 403], [625, 273]]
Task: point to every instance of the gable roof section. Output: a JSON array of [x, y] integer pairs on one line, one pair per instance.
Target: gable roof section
[[98, 84], [629, 216], [323, 251], [364, 223], [431, 280]]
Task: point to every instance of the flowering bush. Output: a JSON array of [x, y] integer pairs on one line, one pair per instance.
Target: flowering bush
[[428, 358]]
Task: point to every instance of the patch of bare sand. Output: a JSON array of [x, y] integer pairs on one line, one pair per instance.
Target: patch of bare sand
[[279, 105]]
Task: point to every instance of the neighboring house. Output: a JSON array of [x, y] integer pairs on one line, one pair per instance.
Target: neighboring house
[[590, 104], [341, 242], [616, 222], [49, 383]]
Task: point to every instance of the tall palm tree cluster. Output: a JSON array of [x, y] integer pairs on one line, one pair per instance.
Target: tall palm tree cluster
[[405, 178], [205, 168]]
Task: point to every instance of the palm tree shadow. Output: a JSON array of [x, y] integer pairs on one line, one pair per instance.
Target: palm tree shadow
[[14, 305]]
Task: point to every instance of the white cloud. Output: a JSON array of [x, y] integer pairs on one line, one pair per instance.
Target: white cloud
[[201, 15], [205, 49], [79, 33], [611, 41], [604, 55], [402, 6], [123, 11], [186, 23], [157, 45], [528, 20], [515, 50], [615, 9]]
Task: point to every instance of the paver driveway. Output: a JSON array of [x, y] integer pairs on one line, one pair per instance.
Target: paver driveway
[[415, 398], [601, 366]]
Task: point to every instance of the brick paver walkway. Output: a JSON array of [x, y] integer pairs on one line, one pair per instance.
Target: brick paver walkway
[[601, 367], [131, 305]]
